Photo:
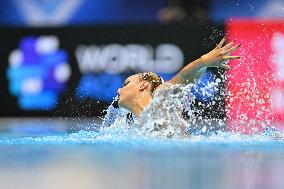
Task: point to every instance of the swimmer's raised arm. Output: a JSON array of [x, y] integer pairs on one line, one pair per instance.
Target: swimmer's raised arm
[[215, 58]]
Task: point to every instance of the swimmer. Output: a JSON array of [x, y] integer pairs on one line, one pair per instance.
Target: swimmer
[[139, 89]]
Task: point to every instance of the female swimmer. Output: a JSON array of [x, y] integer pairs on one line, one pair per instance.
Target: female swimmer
[[139, 89]]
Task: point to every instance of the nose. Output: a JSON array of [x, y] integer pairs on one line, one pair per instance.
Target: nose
[[118, 90]]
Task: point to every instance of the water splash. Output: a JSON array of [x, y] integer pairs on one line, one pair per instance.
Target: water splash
[[250, 84], [163, 118], [120, 136]]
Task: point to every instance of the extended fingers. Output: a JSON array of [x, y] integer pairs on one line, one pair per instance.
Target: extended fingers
[[229, 45], [230, 57], [226, 59], [230, 50], [221, 43]]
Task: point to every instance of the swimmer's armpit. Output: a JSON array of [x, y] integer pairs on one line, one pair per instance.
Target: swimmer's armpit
[[215, 58]]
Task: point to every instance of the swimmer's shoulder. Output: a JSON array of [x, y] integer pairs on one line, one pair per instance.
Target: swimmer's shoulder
[[163, 86], [166, 85]]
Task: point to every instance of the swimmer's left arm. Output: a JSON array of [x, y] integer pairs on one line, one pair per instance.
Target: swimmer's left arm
[[215, 58]]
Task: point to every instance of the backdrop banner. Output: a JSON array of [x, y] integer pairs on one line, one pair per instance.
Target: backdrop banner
[[256, 81], [76, 71]]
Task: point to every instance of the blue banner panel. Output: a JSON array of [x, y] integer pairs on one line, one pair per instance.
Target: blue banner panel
[[77, 12]]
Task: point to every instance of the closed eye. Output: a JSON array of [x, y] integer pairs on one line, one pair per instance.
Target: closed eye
[[126, 83]]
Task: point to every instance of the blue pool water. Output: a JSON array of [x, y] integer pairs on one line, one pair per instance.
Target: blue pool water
[[45, 155]]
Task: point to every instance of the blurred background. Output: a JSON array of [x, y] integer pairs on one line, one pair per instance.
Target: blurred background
[[62, 61], [67, 58]]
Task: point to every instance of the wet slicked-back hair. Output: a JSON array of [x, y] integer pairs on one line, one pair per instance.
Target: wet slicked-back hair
[[152, 78]]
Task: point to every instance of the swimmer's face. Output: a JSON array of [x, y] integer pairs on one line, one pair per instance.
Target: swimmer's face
[[129, 91]]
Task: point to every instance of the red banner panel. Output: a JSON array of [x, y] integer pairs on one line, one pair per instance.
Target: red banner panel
[[256, 82]]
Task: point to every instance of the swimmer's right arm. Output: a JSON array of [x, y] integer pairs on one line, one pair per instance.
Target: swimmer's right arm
[[215, 58]]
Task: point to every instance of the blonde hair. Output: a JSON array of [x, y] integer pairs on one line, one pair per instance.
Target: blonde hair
[[152, 78]]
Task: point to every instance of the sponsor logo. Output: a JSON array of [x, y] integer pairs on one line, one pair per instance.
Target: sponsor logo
[[37, 72]]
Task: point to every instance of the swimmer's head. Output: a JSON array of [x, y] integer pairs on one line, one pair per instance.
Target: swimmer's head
[[152, 78], [136, 86]]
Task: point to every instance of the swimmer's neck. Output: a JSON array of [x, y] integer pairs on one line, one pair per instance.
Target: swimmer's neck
[[140, 105]]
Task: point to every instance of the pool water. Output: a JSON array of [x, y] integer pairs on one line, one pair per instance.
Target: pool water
[[63, 159]]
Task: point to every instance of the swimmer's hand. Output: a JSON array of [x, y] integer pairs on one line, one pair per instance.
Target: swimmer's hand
[[220, 55], [215, 58]]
